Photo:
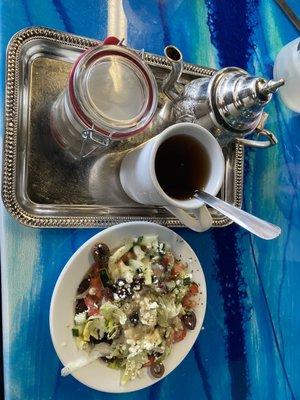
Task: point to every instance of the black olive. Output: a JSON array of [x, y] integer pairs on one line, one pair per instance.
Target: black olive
[[106, 340], [84, 285], [121, 282], [189, 320], [122, 289], [157, 370], [108, 294], [101, 254], [134, 318], [123, 293], [156, 354], [138, 283], [108, 360], [80, 306], [154, 279], [94, 340]]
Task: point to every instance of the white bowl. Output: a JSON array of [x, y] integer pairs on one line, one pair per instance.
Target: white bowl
[[97, 375]]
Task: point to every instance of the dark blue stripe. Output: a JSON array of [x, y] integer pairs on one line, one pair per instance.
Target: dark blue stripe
[[203, 373], [58, 4], [233, 292], [154, 391], [231, 25]]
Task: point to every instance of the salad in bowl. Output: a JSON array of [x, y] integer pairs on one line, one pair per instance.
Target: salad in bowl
[[133, 307]]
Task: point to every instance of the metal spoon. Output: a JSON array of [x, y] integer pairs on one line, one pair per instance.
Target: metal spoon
[[259, 227]]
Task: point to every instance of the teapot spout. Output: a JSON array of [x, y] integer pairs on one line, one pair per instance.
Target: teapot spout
[[174, 56]]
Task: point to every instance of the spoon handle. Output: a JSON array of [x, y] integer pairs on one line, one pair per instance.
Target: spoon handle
[[259, 227]]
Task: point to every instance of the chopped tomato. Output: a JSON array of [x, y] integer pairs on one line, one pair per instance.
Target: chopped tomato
[[188, 302], [107, 294], [96, 286], [179, 335], [92, 308], [151, 360], [157, 270], [96, 282], [167, 260], [193, 289], [178, 267]]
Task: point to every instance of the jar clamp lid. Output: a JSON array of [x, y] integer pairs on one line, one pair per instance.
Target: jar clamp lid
[[113, 92]]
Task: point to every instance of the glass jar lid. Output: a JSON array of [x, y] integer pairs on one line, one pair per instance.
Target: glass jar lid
[[113, 91]]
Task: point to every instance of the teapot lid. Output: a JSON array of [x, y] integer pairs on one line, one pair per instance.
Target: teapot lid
[[237, 99]]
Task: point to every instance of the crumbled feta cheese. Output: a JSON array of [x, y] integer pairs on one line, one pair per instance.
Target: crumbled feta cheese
[[134, 350], [153, 305], [148, 315], [92, 291], [80, 318], [116, 297], [151, 340]]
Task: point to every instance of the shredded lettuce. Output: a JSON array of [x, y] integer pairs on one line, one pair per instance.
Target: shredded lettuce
[[133, 366], [94, 327], [119, 253], [167, 310], [111, 312], [139, 253], [150, 241]]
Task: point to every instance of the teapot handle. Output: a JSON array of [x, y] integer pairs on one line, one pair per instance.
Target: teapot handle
[[271, 140]]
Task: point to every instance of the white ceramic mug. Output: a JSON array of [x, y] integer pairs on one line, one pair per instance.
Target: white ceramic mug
[[139, 180]]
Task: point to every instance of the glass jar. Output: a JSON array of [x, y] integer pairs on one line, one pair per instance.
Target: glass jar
[[111, 95]]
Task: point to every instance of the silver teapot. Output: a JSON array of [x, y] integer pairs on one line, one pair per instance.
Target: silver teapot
[[229, 104]]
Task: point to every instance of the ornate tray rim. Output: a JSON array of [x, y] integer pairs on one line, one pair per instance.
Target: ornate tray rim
[[10, 140]]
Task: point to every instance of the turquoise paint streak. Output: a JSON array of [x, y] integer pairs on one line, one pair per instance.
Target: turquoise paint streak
[[20, 285], [262, 354], [211, 342], [274, 176]]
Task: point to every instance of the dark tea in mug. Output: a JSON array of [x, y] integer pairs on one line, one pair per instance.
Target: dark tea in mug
[[182, 165]]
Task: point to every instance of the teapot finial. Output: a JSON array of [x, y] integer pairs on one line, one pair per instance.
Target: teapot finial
[[270, 87]]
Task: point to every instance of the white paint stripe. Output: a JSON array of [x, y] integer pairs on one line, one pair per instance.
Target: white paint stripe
[[19, 258], [116, 20]]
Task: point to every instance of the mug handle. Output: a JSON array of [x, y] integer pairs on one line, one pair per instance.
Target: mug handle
[[201, 221]]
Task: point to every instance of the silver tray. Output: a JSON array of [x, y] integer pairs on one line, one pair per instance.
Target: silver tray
[[41, 186]]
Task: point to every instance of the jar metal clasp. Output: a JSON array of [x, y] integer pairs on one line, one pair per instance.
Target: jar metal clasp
[[88, 136]]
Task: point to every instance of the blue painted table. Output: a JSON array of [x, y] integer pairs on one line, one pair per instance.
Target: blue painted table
[[249, 348]]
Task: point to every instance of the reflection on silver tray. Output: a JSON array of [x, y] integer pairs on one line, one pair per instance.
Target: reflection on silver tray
[[41, 186]]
